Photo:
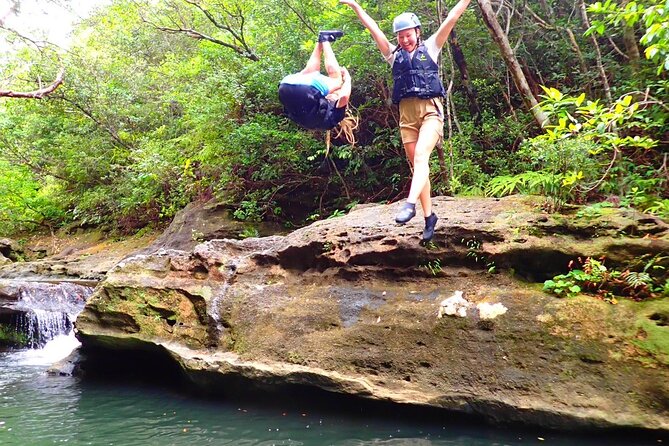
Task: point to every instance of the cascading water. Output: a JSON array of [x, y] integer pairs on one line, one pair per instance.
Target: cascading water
[[40, 326], [220, 295], [41, 311]]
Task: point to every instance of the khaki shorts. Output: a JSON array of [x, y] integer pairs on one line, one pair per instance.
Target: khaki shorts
[[420, 115]]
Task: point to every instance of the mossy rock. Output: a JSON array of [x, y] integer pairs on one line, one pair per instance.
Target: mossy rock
[[651, 334], [10, 337]]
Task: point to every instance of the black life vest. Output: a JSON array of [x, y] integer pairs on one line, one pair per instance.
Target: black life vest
[[417, 76]]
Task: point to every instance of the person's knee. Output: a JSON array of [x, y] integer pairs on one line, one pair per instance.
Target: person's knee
[[421, 157], [335, 75]]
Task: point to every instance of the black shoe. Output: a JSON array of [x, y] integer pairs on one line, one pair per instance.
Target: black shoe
[[405, 214], [430, 223], [329, 35]]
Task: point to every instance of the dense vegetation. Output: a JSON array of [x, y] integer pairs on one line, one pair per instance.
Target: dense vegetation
[[169, 101]]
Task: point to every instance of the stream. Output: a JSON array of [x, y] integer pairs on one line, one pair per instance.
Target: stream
[[37, 408]]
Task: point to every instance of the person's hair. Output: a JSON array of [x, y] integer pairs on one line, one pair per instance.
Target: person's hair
[[347, 126]]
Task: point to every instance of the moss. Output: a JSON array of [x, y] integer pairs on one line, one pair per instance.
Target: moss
[[10, 337], [295, 358], [162, 313], [589, 352], [640, 325], [652, 331], [239, 345]]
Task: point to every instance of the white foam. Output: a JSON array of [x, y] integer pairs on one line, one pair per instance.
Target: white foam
[[55, 350]]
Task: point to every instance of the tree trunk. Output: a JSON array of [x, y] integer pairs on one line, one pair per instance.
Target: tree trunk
[[546, 7], [630, 40], [532, 80], [549, 24], [631, 48], [511, 62], [577, 50], [598, 54], [459, 58]]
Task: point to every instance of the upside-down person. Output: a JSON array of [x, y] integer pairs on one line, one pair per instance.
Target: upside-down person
[[317, 101]]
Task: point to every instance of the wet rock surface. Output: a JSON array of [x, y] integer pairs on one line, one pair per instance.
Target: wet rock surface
[[349, 305], [79, 258]]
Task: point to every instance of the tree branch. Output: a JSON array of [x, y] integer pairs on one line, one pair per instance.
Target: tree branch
[[299, 16], [618, 50], [36, 94], [538, 20], [237, 33], [9, 148], [90, 115]]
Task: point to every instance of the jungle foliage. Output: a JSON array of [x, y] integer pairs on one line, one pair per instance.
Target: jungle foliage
[[169, 101]]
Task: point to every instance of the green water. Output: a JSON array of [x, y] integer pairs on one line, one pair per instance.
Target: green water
[[37, 409]]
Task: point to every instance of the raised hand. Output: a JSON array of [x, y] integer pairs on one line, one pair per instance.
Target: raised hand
[[351, 3]]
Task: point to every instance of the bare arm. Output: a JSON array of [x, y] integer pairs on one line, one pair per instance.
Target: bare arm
[[342, 94], [345, 90], [381, 40], [447, 25]]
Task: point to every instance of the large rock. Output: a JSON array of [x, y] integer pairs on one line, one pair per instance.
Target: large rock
[[89, 255], [201, 221], [84, 258], [350, 305], [9, 250]]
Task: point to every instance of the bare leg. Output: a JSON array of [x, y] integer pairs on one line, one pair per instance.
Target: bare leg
[[418, 154], [332, 67], [314, 62]]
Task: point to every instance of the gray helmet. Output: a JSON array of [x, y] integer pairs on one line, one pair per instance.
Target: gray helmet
[[406, 20]]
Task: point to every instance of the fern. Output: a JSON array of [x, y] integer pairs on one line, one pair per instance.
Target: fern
[[541, 182], [638, 280], [503, 185]]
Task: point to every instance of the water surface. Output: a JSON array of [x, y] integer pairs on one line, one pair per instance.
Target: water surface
[[37, 409]]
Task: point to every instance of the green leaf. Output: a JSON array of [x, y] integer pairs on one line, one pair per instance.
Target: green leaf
[[651, 51], [554, 94]]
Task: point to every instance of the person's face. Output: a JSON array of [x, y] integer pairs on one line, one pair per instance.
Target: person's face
[[407, 39]]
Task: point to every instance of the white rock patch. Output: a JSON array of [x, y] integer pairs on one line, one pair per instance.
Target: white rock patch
[[457, 305], [490, 311]]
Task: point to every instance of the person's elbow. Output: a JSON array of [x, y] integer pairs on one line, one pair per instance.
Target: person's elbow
[[344, 96]]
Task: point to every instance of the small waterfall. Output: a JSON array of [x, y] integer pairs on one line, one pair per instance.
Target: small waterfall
[[43, 311], [41, 326], [220, 295]]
